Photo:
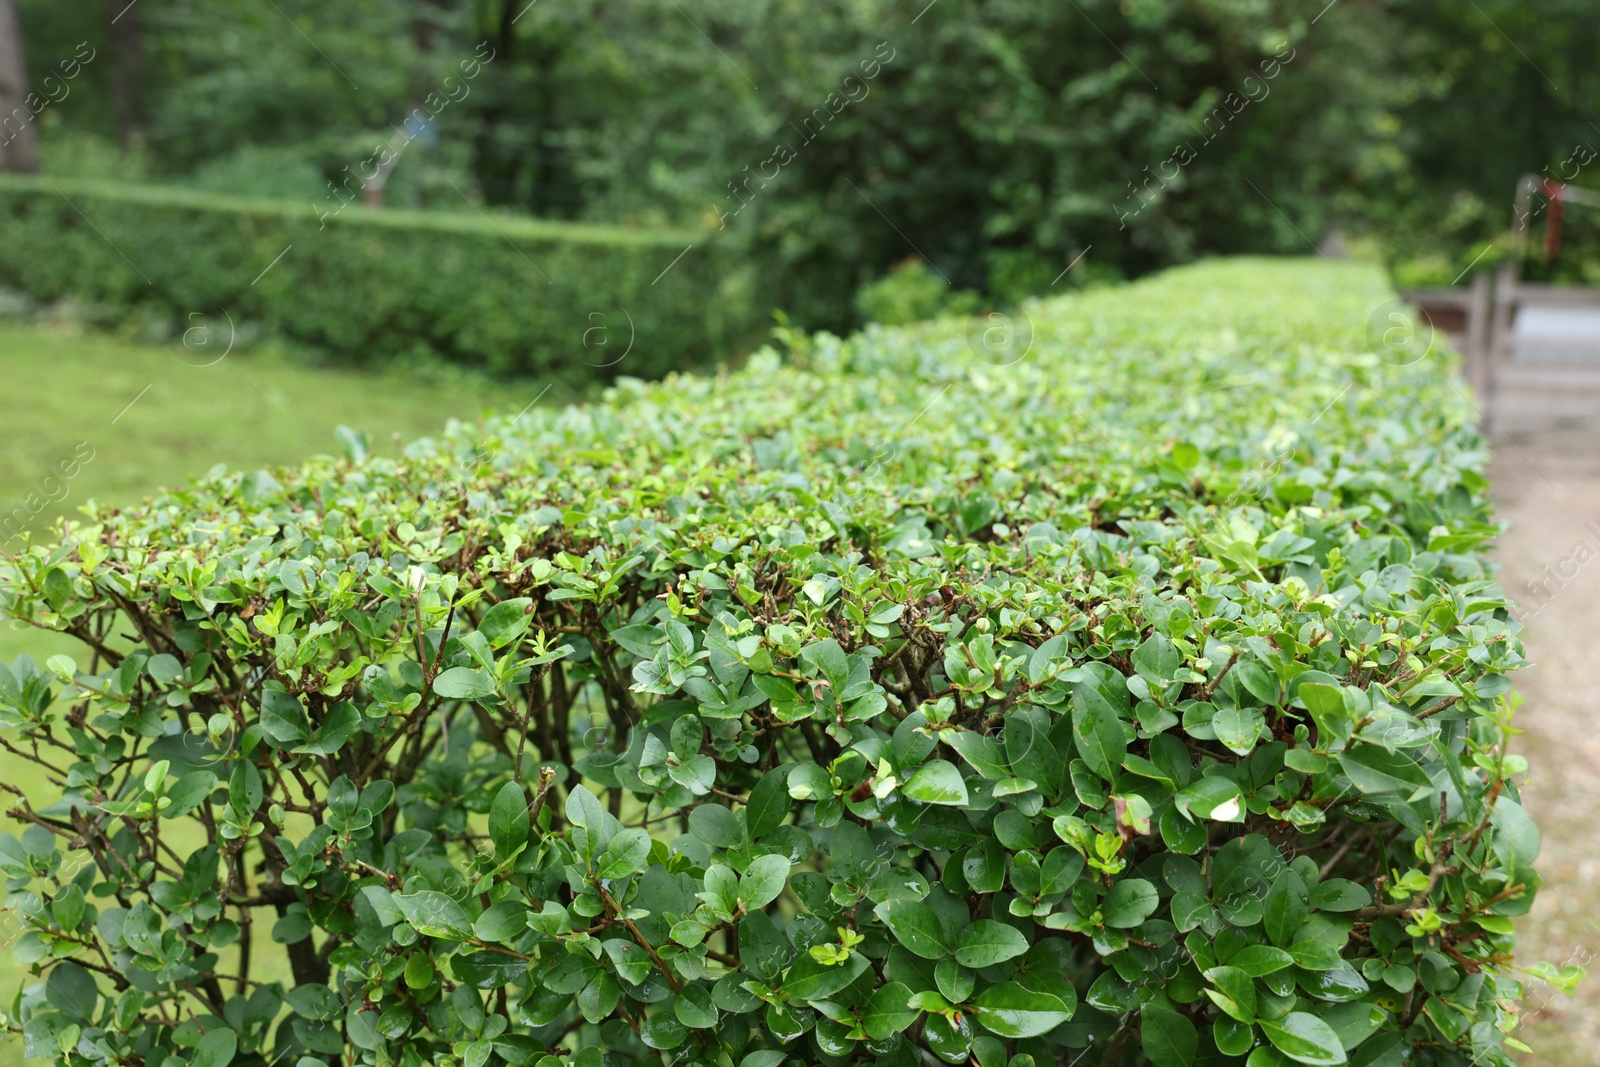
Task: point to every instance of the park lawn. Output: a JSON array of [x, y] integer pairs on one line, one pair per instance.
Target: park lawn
[[65, 396]]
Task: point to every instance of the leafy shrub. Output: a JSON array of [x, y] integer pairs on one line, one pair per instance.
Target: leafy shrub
[[510, 295], [1145, 698], [910, 293], [262, 171]]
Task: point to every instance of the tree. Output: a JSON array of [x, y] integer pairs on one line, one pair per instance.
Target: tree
[[19, 140], [127, 42]]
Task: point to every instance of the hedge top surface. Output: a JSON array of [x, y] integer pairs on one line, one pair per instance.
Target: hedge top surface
[[464, 221], [1122, 674]]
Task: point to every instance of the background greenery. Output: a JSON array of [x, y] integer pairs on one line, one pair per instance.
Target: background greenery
[[512, 296], [998, 141]]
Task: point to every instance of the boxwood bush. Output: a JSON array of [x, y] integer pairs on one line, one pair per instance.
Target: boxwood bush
[[514, 296], [1122, 681]]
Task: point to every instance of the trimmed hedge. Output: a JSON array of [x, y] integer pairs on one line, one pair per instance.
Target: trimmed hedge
[[513, 296], [1143, 697]]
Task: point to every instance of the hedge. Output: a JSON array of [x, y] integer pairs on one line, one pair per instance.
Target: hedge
[[513, 296], [1137, 690]]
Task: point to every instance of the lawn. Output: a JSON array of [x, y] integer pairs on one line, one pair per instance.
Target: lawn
[[127, 419]]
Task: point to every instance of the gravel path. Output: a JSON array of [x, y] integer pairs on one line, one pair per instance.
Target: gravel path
[[1547, 486]]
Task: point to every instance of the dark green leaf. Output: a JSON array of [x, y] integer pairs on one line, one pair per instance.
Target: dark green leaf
[[768, 805], [936, 782], [1128, 903], [624, 854], [282, 717], [1305, 1038], [915, 926], [1011, 1011], [508, 820], [985, 942], [464, 683], [886, 1013], [1169, 1039], [1097, 730], [434, 914]]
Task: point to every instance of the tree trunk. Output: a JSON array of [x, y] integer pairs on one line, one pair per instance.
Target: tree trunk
[[19, 138], [127, 49]]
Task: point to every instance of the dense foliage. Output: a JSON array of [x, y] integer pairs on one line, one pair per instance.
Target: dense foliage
[[997, 139], [1122, 679], [516, 296]]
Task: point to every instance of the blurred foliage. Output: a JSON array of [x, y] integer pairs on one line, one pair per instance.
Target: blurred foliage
[[995, 140], [567, 302], [909, 293]]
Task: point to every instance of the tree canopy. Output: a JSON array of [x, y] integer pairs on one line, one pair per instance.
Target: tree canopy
[[996, 141]]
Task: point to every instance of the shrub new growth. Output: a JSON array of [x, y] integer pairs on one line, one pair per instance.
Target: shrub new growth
[[1143, 698], [513, 296]]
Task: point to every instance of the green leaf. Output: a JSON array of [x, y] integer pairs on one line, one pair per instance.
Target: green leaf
[[1316, 956], [1238, 728], [886, 1013], [1304, 1038], [502, 921], [721, 888], [716, 825], [1169, 1038], [1516, 838], [985, 942], [1374, 769], [1339, 894], [763, 880], [663, 1031], [57, 587], [434, 914], [1213, 796], [188, 792], [338, 727], [937, 782], [624, 854], [420, 970], [585, 812], [506, 621], [641, 640], [1287, 907], [697, 774], [807, 781], [810, 979], [71, 988], [830, 659], [1011, 1011], [1235, 993], [1156, 660], [1328, 711], [216, 1049], [1257, 960], [508, 820], [1097, 729], [768, 805], [464, 683], [282, 717], [1128, 903], [915, 926], [694, 1008], [979, 750]]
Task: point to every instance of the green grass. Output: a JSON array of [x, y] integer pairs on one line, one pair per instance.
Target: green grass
[[152, 419]]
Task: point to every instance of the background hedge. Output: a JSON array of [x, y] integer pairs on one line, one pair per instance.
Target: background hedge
[[511, 295], [1122, 680]]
